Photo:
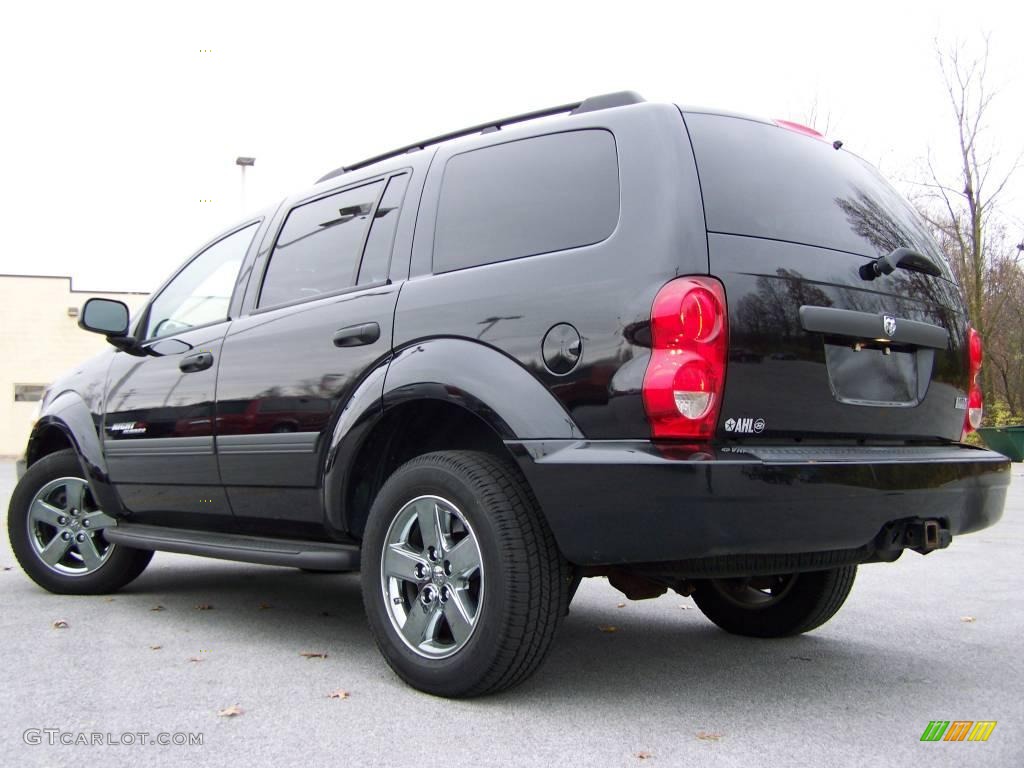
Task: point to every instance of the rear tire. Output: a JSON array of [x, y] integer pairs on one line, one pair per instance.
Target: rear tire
[[56, 532], [775, 606], [462, 581]]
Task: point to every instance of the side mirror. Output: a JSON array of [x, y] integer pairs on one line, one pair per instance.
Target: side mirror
[[105, 316]]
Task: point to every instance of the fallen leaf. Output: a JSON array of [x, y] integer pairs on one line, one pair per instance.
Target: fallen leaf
[[158, 608], [313, 655], [195, 659], [704, 736], [608, 628], [644, 755], [108, 600], [60, 624], [264, 606], [233, 711], [324, 613], [338, 694], [968, 619], [155, 647], [621, 605], [684, 607], [7, 567], [204, 607]]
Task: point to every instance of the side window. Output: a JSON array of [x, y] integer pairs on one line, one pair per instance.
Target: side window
[[527, 197], [377, 254], [318, 248], [201, 292]]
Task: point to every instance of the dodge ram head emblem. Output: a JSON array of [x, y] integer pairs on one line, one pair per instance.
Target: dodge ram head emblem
[[889, 325]]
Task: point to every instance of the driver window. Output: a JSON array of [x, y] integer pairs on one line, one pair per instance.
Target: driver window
[[318, 249], [201, 292]]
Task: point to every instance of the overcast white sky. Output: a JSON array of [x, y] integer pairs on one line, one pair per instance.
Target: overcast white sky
[[115, 126]]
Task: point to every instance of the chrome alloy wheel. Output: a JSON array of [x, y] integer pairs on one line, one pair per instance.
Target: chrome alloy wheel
[[432, 577], [65, 527]]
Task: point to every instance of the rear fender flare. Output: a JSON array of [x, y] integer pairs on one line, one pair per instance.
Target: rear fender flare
[[465, 373], [485, 382]]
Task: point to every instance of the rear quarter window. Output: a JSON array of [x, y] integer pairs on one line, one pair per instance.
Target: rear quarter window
[[527, 197]]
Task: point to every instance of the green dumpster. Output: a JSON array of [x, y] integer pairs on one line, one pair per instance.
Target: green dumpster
[[1008, 441]]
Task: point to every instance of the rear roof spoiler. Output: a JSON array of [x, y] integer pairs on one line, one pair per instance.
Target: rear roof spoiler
[[593, 104]]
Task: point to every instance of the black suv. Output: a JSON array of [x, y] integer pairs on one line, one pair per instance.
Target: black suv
[[677, 348]]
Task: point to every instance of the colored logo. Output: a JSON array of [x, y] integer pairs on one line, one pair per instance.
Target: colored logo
[[958, 730]]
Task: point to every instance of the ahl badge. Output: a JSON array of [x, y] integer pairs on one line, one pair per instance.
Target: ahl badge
[[889, 325], [744, 426]]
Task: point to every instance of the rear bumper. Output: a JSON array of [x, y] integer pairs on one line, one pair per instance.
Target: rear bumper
[[636, 502]]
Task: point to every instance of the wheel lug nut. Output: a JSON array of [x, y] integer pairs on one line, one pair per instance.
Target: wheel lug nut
[[447, 568], [80, 537], [85, 523], [74, 513], [62, 520], [432, 553], [66, 536]]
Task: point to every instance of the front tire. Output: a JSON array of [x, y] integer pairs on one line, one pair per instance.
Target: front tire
[[775, 606], [462, 581], [56, 532]]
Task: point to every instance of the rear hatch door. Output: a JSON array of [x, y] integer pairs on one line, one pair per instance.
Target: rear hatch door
[[815, 348]]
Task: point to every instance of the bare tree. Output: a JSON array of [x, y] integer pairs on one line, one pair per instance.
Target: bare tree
[[814, 119], [963, 209]]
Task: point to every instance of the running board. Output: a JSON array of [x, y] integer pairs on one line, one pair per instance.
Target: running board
[[315, 555]]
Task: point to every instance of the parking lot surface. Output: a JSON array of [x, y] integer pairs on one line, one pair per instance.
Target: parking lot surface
[[649, 683]]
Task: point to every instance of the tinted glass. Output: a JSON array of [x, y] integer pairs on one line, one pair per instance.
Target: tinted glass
[[318, 249], [527, 197], [201, 292], [766, 181], [377, 255]]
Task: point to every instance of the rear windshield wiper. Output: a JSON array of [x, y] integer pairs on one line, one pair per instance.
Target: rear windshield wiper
[[901, 258]]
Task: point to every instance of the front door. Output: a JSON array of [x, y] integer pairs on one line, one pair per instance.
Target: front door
[[158, 427]]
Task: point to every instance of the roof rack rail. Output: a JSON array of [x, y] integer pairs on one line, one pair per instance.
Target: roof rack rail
[[593, 104]]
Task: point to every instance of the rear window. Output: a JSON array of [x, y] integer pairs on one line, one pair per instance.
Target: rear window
[[527, 197], [765, 181]]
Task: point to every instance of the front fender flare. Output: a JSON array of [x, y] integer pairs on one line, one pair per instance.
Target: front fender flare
[[69, 413]]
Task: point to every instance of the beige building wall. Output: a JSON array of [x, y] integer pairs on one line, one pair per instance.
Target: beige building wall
[[39, 341]]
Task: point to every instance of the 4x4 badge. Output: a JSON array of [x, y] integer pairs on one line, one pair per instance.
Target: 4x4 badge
[[889, 325]]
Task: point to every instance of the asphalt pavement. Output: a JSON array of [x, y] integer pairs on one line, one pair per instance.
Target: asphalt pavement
[[652, 683]]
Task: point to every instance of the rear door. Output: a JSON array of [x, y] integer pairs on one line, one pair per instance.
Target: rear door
[[322, 309], [815, 348]]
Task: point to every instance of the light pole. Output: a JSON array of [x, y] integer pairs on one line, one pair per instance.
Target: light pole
[[243, 163]]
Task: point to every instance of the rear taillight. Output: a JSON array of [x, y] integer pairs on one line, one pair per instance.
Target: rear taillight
[[975, 406], [689, 344]]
